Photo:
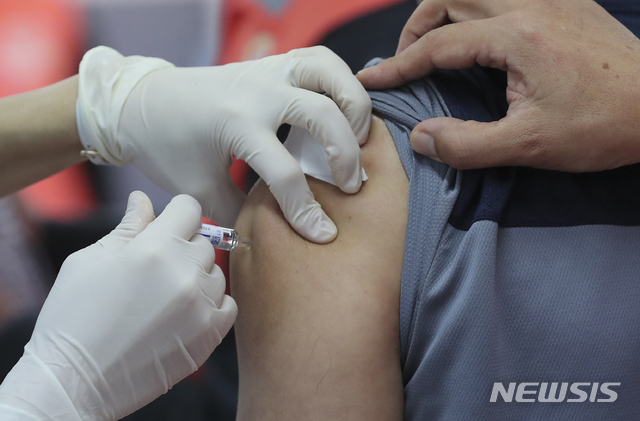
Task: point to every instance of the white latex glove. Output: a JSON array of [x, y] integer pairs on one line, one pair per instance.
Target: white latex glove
[[127, 318], [183, 126]]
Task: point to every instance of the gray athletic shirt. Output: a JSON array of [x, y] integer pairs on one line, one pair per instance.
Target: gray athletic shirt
[[519, 286]]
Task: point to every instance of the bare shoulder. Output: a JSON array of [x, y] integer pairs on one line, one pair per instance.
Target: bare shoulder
[[318, 324]]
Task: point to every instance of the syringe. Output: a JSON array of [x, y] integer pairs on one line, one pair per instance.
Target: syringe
[[223, 238]]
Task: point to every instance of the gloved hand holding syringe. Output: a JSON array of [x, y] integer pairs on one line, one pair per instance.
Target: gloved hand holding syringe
[[223, 238], [131, 315]]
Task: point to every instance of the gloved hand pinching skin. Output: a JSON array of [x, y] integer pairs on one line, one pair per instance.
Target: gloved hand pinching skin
[[127, 318], [183, 126]]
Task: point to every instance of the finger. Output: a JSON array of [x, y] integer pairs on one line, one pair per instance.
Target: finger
[[275, 165], [301, 209], [323, 119], [432, 14], [227, 313], [224, 203], [181, 218], [138, 215], [470, 144], [322, 70], [455, 46], [214, 285], [203, 252], [427, 16], [219, 322]]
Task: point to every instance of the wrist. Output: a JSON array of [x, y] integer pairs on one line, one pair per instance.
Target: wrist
[[106, 78], [32, 391]]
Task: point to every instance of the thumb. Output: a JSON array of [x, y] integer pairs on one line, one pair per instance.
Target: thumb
[[468, 144], [138, 215]]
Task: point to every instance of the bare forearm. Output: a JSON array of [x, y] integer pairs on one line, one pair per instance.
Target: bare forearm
[[38, 135]]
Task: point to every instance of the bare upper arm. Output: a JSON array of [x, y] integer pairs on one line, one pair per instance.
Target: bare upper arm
[[317, 329]]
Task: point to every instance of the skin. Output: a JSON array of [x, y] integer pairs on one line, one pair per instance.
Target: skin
[[38, 138], [38, 135], [573, 82], [317, 330]]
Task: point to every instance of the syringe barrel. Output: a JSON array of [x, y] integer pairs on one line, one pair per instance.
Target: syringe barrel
[[221, 238]]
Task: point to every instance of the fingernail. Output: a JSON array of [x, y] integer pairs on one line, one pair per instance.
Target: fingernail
[[324, 230], [139, 208], [423, 143], [353, 184], [134, 200]]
